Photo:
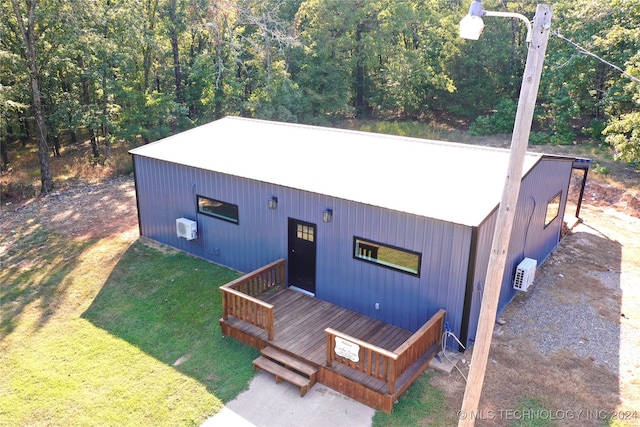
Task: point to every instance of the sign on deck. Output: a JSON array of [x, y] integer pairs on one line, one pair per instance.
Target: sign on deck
[[347, 349]]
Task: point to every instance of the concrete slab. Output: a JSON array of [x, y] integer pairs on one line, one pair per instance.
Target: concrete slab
[[445, 362], [269, 404]]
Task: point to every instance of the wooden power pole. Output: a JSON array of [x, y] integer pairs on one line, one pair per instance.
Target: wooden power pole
[[506, 214]]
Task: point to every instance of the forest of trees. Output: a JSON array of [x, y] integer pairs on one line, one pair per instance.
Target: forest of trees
[[139, 70]]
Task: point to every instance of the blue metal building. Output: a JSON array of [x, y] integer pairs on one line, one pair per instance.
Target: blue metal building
[[392, 227]]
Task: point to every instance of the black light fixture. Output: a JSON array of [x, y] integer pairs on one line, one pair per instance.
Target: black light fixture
[[273, 203], [327, 215]]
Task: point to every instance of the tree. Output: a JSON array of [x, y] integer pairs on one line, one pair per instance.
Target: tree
[[26, 21], [245, 63], [623, 99], [323, 69], [488, 71], [413, 45], [624, 134], [582, 93], [14, 86], [173, 26], [375, 57]]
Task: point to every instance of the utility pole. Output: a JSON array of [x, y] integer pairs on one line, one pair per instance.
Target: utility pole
[[506, 214]]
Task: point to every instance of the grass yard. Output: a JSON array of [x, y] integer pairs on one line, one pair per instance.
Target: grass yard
[[106, 332], [421, 405]]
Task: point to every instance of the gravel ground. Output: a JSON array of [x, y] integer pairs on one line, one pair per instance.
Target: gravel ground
[[576, 302], [552, 327]]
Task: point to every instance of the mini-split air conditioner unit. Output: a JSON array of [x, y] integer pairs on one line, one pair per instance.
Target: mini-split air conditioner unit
[[525, 273], [186, 228]]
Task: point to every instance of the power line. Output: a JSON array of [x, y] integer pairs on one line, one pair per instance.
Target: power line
[[586, 52]]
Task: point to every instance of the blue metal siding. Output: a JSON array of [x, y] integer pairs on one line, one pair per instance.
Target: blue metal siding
[[168, 191], [529, 237], [404, 300]]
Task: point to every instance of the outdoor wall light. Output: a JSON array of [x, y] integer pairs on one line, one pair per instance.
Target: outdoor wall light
[[327, 215], [472, 25], [273, 203]]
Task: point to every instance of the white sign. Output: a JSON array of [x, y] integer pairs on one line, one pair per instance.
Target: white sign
[[347, 349]]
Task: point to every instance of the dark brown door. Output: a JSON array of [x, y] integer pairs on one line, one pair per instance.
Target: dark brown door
[[302, 255]]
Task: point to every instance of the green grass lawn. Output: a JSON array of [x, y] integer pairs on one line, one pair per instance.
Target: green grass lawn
[[107, 333], [421, 405]]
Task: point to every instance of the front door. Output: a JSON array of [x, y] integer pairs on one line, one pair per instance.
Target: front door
[[302, 255]]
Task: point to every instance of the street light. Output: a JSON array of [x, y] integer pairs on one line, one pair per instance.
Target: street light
[[472, 25], [538, 35]]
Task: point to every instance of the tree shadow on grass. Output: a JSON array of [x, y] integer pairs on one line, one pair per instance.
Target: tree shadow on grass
[[168, 305], [36, 270]]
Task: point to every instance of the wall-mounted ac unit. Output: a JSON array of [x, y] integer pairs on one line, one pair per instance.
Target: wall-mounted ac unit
[[186, 228], [525, 273]]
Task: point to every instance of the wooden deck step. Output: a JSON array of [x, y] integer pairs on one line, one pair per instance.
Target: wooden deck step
[[290, 362], [282, 373]]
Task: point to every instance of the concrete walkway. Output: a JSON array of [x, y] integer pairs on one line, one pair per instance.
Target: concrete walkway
[[280, 405]]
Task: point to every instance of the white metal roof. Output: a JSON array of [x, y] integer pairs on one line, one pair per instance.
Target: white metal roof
[[453, 182]]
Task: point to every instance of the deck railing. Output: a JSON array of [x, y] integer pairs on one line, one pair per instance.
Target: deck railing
[[367, 358], [239, 297], [377, 362], [417, 344]]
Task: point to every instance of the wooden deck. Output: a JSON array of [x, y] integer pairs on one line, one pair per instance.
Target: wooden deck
[[299, 324], [300, 321]]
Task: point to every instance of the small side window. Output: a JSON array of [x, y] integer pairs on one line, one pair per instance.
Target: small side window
[[218, 209], [553, 209]]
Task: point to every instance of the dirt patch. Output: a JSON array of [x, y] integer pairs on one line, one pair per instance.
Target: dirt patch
[[81, 211], [588, 270], [624, 200]]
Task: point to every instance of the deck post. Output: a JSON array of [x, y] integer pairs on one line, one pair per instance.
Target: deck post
[[270, 327], [280, 273], [225, 316], [329, 354], [392, 375]]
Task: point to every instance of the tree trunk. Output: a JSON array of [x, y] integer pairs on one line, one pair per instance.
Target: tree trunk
[[105, 124], [94, 143], [84, 81], [4, 152], [173, 36], [151, 7], [46, 180], [56, 145], [267, 46], [24, 131], [28, 36], [359, 101]]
